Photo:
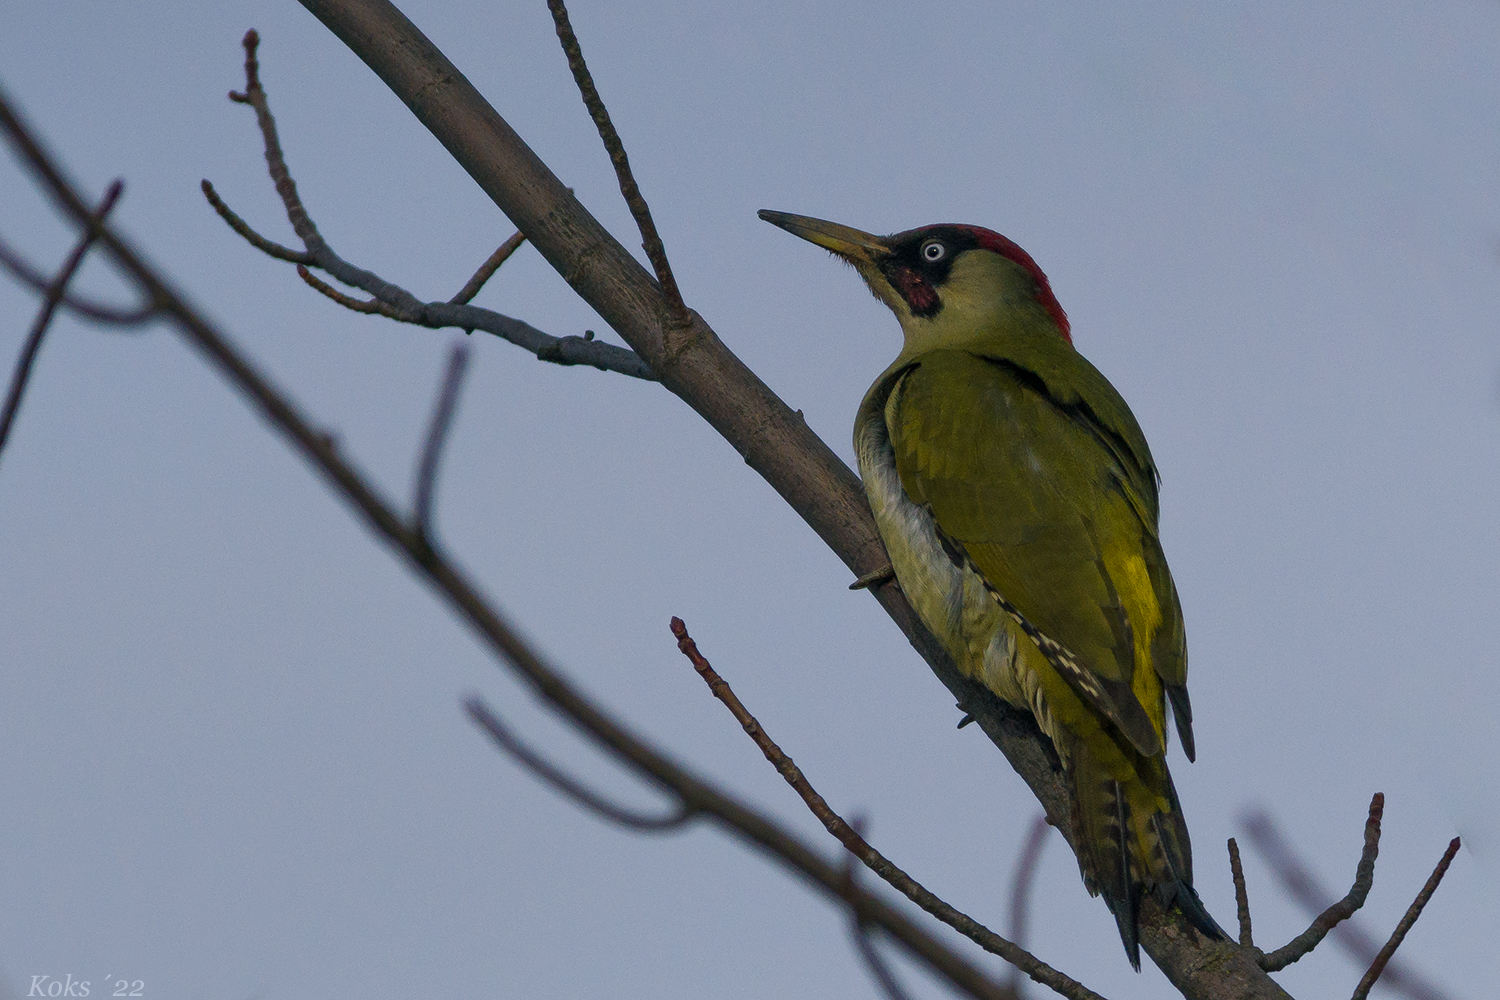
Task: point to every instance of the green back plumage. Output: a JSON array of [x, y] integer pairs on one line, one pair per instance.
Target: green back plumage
[[1031, 462]]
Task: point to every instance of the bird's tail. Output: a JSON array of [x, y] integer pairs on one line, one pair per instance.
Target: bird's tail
[[1132, 839]]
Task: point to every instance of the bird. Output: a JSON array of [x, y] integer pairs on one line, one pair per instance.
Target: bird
[[1018, 502]]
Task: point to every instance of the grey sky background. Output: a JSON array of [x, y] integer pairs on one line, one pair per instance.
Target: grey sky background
[[232, 761]]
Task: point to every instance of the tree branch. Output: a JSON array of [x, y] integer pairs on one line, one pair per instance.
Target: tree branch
[[431, 563], [1299, 883], [1364, 877], [773, 439], [855, 843], [488, 268], [55, 291], [639, 210], [568, 785], [391, 300], [1241, 896], [437, 433], [1412, 913]]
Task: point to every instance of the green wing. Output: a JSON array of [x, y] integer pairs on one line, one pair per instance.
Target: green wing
[[1038, 475]]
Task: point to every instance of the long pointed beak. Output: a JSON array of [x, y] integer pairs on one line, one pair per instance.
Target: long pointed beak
[[849, 243]]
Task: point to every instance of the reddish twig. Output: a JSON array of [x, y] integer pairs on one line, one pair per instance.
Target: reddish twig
[[1241, 895], [650, 239], [1300, 883], [1364, 877], [856, 845], [1022, 879], [488, 268], [370, 307], [50, 300], [1412, 913]]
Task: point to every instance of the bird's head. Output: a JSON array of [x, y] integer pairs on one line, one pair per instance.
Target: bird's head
[[947, 284]]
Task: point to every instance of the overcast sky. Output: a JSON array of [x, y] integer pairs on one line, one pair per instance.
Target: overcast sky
[[232, 759]]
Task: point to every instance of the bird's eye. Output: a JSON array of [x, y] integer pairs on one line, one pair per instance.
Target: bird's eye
[[933, 251]]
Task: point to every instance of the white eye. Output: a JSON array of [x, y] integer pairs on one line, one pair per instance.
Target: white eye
[[933, 251]]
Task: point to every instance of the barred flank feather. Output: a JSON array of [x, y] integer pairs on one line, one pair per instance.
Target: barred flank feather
[[1127, 847]]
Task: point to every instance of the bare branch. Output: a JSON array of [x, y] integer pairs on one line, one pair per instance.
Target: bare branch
[[1241, 895], [1412, 913], [1022, 879], [78, 304], [1300, 883], [1364, 877], [569, 786], [464, 598], [391, 300], [650, 240], [857, 846], [370, 307], [437, 433], [268, 247], [488, 268], [53, 296]]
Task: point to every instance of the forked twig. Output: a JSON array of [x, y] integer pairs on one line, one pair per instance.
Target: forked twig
[[1356, 940], [650, 239], [391, 300], [1364, 877], [1412, 913], [856, 845], [56, 289]]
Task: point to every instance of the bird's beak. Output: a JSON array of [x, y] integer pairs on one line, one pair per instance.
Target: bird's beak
[[851, 244]]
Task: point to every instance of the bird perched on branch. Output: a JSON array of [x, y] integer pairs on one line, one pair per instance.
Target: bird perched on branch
[[1018, 501]]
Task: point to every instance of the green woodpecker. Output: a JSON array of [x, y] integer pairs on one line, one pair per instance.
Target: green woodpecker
[[1018, 501]]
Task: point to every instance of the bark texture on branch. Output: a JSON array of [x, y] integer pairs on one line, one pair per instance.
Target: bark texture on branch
[[774, 440]]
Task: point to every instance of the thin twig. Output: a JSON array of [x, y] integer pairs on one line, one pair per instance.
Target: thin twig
[[488, 268], [1364, 877], [79, 304], [463, 597], [437, 433], [650, 239], [1022, 879], [1412, 913], [1241, 894], [50, 300], [856, 845], [391, 300], [268, 247], [1299, 882], [370, 307], [568, 785]]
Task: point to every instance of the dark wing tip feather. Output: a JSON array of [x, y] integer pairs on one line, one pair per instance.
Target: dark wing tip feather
[[1182, 714]]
